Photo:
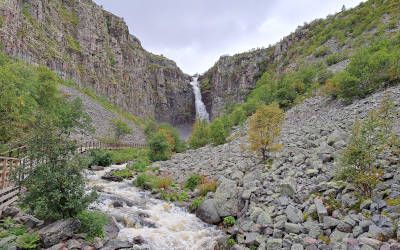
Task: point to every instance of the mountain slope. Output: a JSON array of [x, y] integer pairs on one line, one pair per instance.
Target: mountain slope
[[80, 40], [329, 40]]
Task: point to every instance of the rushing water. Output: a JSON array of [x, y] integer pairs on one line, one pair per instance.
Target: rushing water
[[162, 225], [201, 111]]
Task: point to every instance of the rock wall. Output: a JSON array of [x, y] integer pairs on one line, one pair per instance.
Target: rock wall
[[233, 77], [80, 40]]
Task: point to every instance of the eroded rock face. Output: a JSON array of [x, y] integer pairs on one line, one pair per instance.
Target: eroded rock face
[[81, 41]]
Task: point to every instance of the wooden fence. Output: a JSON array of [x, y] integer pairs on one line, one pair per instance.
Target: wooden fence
[[9, 192]]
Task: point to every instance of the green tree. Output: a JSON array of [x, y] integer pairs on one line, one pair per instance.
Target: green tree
[[370, 137], [218, 131], [159, 148], [120, 129], [200, 134]]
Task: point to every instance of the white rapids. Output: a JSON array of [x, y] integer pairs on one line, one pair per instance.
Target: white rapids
[[162, 225], [201, 111]]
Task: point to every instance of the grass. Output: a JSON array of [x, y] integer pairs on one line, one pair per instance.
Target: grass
[[123, 173], [127, 154]]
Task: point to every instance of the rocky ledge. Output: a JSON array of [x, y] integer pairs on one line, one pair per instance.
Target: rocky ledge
[[293, 202]]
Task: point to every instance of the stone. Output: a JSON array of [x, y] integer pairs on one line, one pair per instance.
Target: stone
[[375, 244], [138, 240], [288, 187], [7, 240], [294, 214], [74, 244], [208, 213], [330, 222], [117, 204], [96, 168], [29, 221], [274, 244], [226, 198], [338, 236], [59, 246], [117, 244], [344, 227], [10, 212], [321, 209], [264, 219], [312, 228], [58, 231], [297, 246], [250, 239], [111, 229], [293, 228], [349, 200]]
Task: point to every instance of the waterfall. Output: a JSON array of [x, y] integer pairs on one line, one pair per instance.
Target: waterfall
[[201, 111]]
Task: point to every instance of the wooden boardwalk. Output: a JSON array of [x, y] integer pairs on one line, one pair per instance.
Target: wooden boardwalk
[[9, 192]]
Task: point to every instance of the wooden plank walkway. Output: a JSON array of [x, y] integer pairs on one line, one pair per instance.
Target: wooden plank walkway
[[9, 192]]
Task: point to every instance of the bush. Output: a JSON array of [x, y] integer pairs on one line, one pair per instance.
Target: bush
[[218, 132], [238, 116], [120, 129], [123, 173], [264, 129], [200, 134], [193, 181], [159, 148], [28, 241], [163, 182], [196, 203], [335, 58], [322, 51], [101, 158], [206, 186], [229, 221], [139, 166], [128, 154], [144, 181], [92, 224], [358, 163]]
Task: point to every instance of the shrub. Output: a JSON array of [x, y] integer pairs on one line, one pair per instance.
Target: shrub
[[162, 182], [231, 242], [321, 51], [101, 158], [28, 241], [92, 224], [206, 186], [229, 221], [200, 134], [264, 128], [193, 181], [123, 173], [159, 148], [143, 181], [139, 166], [120, 129], [335, 58], [218, 132], [358, 163], [196, 203], [238, 115]]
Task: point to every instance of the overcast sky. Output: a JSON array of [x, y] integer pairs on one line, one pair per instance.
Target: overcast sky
[[195, 33]]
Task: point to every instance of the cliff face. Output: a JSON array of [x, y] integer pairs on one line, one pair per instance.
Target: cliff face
[[232, 78], [81, 41]]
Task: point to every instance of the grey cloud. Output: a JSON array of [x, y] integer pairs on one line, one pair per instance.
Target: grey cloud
[[195, 33]]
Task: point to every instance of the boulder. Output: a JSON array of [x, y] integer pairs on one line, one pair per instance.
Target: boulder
[[226, 198], [288, 187], [208, 213], [110, 177], [117, 244], [74, 244], [59, 246], [111, 229], [274, 244], [321, 209], [58, 231], [29, 221], [294, 214]]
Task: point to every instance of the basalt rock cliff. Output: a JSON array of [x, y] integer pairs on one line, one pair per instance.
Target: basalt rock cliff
[[81, 41]]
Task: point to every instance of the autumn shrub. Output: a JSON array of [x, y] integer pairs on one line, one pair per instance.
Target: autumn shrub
[[207, 185], [264, 129]]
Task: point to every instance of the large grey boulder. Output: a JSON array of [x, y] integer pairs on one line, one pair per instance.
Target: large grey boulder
[[294, 214], [274, 244], [58, 231], [288, 187], [226, 198], [208, 213]]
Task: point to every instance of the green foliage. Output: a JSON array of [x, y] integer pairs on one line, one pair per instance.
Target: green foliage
[[358, 163], [370, 69], [322, 51], [200, 134], [28, 241], [55, 187], [120, 129], [229, 221], [101, 158], [174, 196], [123, 173], [219, 131], [159, 148], [68, 16], [193, 181], [231, 242], [143, 181], [140, 165], [73, 44], [127, 154], [335, 58], [196, 203], [92, 224]]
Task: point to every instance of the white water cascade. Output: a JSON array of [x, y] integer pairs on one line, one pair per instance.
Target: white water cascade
[[201, 111], [162, 225]]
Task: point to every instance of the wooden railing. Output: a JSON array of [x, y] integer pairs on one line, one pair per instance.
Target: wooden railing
[[9, 192]]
